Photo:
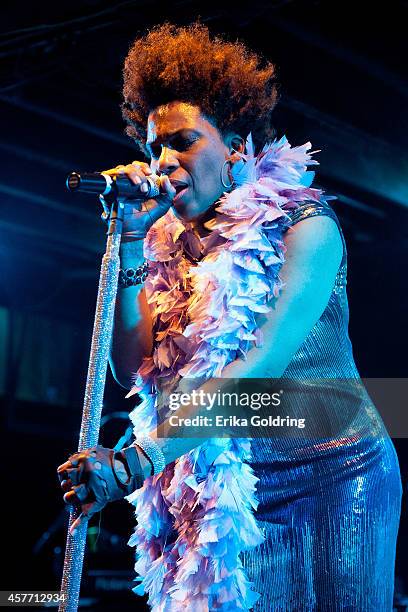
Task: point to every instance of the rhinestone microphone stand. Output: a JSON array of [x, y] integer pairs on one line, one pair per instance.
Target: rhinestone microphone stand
[[94, 392]]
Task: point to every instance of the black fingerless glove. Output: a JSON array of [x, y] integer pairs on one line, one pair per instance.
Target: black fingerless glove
[[104, 480], [96, 481]]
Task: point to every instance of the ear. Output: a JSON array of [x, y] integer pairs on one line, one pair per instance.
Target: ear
[[235, 143]]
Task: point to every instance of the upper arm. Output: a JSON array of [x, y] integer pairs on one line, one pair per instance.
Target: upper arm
[[313, 256]]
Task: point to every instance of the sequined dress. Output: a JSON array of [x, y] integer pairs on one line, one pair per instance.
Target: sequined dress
[[330, 511]]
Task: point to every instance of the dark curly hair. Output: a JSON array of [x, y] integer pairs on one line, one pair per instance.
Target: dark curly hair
[[233, 87]]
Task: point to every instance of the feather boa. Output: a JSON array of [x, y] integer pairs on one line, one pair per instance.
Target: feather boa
[[195, 518]]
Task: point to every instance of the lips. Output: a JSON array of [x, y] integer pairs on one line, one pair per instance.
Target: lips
[[179, 186]]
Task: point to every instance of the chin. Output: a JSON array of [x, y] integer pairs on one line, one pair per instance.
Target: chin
[[187, 212], [191, 211]]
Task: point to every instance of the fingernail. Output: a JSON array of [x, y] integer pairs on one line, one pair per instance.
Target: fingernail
[[144, 188]]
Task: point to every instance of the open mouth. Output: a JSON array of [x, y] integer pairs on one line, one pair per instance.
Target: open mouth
[[180, 189]]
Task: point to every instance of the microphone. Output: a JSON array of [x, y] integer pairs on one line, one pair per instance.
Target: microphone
[[103, 184]]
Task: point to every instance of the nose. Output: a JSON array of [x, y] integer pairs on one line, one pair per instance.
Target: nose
[[168, 161]]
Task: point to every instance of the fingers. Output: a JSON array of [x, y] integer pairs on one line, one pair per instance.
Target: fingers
[[76, 495], [81, 484], [88, 510], [136, 172], [137, 175], [71, 462], [73, 468], [66, 485], [76, 474], [63, 467], [76, 524], [146, 168], [81, 491], [70, 498], [81, 519], [167, 187], [62, 472]]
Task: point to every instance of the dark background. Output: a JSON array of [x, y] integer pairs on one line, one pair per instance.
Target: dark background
[[342, 69]]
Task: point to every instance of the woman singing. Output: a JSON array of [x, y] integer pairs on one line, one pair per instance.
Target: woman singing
[[237, 269]]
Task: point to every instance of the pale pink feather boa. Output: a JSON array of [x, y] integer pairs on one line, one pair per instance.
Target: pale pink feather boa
[[195, 518]]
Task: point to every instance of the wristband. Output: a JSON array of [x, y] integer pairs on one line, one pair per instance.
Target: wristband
[[129, 277], [153, 453]]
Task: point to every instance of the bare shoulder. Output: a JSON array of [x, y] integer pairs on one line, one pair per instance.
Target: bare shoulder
[[314, 253], [317, 235]]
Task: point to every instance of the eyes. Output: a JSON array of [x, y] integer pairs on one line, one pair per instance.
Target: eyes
[[180, 142]]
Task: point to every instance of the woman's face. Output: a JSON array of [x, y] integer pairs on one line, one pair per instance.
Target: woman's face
[[191, 151]]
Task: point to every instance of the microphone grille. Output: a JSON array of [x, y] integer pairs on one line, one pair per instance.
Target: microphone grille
[[73, 181], [154, 186]]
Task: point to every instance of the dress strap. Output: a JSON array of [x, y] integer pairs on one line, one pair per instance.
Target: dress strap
[[316, 209], [311, 209]]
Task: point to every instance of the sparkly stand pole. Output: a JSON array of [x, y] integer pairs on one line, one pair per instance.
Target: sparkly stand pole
[[94, 392]]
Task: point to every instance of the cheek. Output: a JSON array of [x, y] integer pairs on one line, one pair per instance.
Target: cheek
[[208, 171]]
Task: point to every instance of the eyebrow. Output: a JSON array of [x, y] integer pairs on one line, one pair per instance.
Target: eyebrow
[[170, 135]]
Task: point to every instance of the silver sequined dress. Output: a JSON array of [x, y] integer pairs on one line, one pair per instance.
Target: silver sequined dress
[[330, 509]]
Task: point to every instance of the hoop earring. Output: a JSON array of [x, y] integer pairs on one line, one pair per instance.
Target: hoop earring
[[227, 161]]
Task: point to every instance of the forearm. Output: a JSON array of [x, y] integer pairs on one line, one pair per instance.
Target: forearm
[[262, 363], [175, 440], [132, 327]]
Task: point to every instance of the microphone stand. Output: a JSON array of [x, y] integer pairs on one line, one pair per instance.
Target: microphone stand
[[93, 400]]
